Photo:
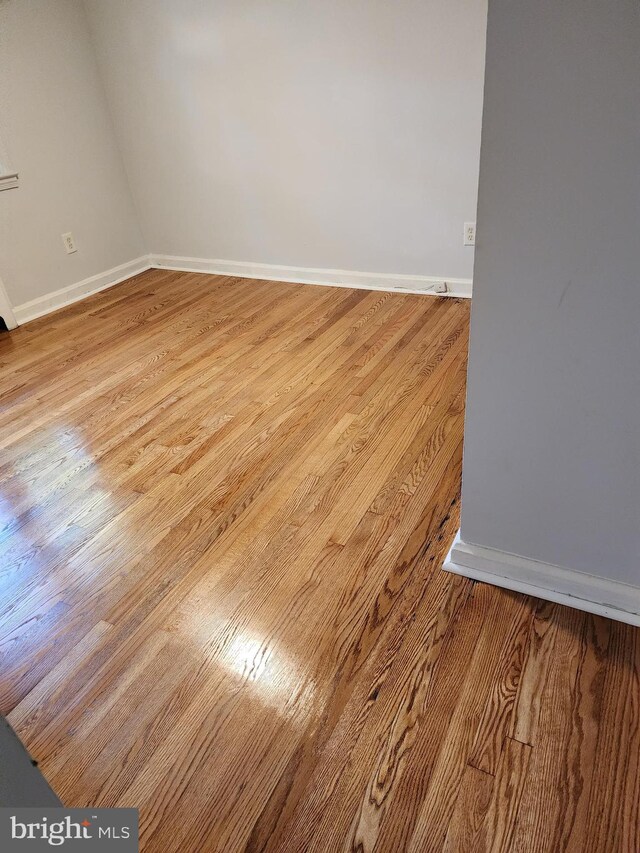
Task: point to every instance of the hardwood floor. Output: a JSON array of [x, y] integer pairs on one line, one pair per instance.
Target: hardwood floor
[[224, 508]]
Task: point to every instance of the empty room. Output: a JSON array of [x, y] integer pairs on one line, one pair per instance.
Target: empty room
[[319, 426]]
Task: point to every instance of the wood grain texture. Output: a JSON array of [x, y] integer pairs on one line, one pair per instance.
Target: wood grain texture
[[224, 507]]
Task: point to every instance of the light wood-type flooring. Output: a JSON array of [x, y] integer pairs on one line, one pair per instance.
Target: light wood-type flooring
[[224, 508]]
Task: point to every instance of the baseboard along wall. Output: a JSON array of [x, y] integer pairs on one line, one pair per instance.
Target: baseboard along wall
[[456, 287], [81, 289], [460, 287], [601, 596]]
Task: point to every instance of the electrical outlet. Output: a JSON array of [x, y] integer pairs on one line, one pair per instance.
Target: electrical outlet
[[440, 287], [469, 233], [69, 243]]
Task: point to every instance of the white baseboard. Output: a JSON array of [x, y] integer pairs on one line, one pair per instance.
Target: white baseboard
[[565, 586], [309, 275], [270, 272], [67, 295]]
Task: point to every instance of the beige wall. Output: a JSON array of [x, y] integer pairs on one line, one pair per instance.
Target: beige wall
[[57, 129], [316, 134]]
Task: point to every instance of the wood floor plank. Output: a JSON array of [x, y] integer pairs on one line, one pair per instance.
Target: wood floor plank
[[496, 718], [546, 823], [452, 753], [498, 826], [224, 507], [472, 805]]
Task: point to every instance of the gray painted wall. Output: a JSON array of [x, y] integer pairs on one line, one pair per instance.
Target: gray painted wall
[[317, 134], [552, 441]]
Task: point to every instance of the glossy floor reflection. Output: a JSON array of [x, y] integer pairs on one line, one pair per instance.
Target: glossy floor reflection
[[224, 508]]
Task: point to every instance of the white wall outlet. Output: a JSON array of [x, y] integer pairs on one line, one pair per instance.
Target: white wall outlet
[[69, 243], [440, 287], [469, 233]]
